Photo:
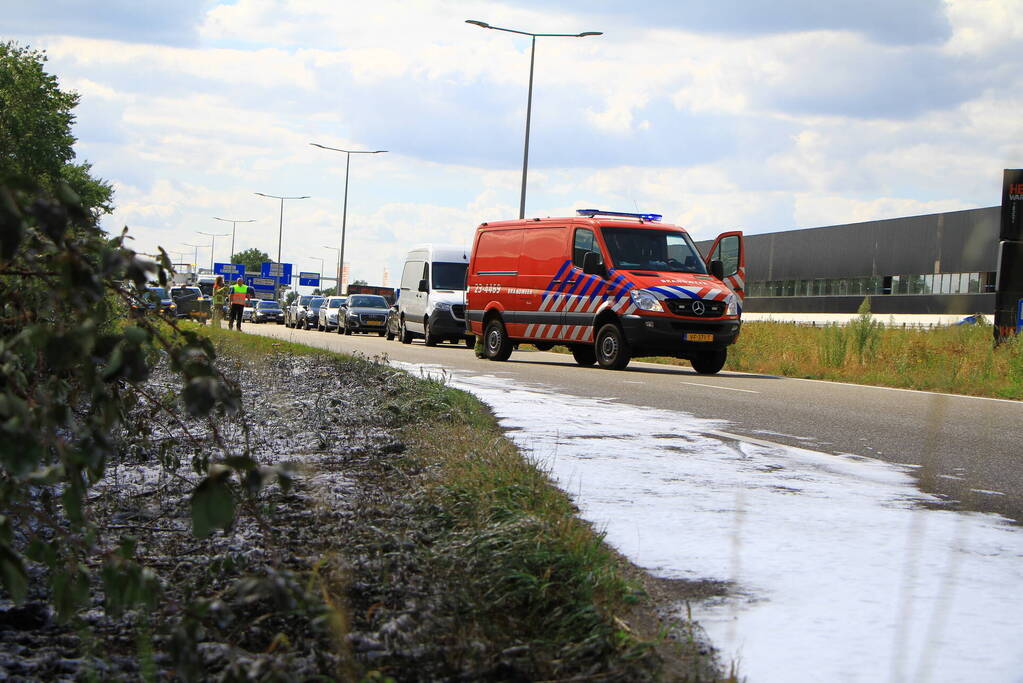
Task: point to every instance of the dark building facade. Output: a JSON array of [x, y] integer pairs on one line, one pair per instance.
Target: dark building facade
[[943, 263]]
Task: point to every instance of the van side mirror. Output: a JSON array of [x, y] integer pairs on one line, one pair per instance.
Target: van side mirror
[[717, 269], [593, 264], [423, 287]]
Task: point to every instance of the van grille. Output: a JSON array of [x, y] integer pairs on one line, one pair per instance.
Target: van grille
[[458, 310], [711, 309]]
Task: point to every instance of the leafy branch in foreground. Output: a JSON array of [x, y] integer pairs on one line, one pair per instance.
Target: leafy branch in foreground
[[72, 374]]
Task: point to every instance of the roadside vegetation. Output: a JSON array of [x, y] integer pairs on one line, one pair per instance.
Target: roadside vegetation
[[956, 359]]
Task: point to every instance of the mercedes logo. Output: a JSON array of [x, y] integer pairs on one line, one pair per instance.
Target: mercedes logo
[[698, 307]]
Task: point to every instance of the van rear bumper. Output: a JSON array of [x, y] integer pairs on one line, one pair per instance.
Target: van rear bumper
[[659, 336]]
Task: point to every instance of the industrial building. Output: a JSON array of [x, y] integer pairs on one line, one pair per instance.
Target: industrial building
[[939, 264]]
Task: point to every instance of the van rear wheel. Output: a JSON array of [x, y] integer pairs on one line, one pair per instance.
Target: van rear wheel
[[709, 362], [611, 349], [584, 355], [496, 345]]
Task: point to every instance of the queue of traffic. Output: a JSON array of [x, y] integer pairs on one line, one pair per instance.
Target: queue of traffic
[[609, 286]]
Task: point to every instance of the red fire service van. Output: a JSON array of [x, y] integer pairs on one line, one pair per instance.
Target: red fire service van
[[608, 285]]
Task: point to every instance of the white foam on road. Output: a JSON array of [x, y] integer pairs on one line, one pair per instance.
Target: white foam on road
[[840, 574]]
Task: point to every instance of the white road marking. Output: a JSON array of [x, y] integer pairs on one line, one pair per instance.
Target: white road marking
[[715, 386]]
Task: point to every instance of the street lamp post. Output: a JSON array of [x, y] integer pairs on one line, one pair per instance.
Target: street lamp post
[[213, 240], [196, 256], [344, 210], [280, 229], [234, 224], [338, 287], [317, 258], [529, 97]]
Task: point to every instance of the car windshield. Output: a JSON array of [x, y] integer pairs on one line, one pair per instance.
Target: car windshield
[[449, 275], [335, 302], [316, 302], [267, 304], [305, 299], [158, 292], [367, 301], [665, 251]]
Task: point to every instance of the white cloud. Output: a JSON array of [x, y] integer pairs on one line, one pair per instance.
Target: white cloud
[[812, 119]]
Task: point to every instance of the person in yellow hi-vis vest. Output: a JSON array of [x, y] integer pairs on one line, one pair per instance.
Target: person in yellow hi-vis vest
[[219, 299], [239, 298]]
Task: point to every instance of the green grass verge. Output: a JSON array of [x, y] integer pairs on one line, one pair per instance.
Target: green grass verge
[[958, 359]]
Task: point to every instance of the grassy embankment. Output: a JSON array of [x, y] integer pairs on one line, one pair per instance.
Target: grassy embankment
[[957, 359], [523, 570]]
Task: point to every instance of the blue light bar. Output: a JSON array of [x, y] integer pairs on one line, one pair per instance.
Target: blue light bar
[[590, 213]]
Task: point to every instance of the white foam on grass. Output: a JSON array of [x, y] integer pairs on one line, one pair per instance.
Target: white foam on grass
[[839, 572]]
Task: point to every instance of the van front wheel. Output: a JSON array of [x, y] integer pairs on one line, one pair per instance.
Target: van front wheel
[[584, 355], [431, 340], [611, 349], [496, 345], [709, 362]]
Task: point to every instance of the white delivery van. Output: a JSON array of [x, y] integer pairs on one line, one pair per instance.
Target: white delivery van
[[432, 300]]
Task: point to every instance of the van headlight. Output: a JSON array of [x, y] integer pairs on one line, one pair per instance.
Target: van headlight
[[732, 305], [442, 306], [645, 300]]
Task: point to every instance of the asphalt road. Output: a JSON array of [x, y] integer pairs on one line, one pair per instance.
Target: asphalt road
[[967, 450]]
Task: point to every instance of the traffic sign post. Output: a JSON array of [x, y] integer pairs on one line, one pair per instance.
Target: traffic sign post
[[230, 271], [264, 287], [280, 271], [309, 279]]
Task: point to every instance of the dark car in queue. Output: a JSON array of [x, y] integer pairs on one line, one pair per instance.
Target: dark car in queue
[[312, 312], [364, 313], [267, 311], [154, 300], [191, 303]]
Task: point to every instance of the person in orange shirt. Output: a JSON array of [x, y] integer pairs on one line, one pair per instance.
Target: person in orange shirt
[[240, 297]]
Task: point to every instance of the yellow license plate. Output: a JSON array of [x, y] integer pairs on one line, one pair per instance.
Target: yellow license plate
[[698, 337], [373, 322]]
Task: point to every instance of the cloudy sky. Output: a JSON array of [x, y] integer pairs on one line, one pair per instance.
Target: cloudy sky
[[761, 115]]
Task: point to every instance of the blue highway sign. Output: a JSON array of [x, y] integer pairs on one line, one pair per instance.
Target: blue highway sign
[[229, 270]]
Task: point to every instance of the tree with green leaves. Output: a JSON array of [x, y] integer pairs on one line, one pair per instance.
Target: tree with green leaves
[[35, 130], [73, 371], [252, 259]]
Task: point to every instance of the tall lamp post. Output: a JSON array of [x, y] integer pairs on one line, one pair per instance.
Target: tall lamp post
[[337, 291], [344, 210], [529, 98], [280, 228], [317, 258], [234, 224], [213, 240], [197, 247]]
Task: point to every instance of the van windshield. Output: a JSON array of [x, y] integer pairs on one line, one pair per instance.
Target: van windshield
[[449, 275], [658, 250]]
